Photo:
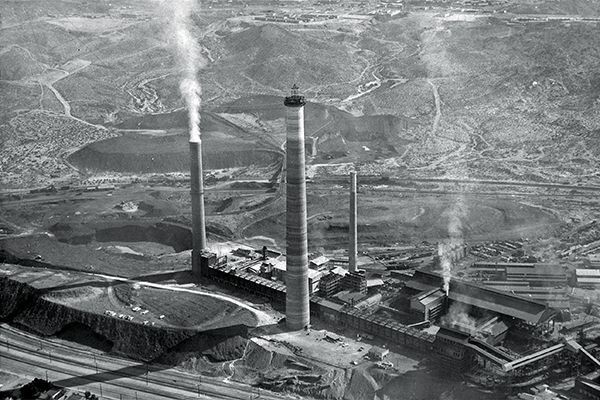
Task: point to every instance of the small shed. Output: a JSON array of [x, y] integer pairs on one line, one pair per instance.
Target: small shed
[[377, 353]]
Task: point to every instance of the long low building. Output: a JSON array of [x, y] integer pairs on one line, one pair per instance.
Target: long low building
[[587, 278], [476, 295], [536, 274], [551, 296]]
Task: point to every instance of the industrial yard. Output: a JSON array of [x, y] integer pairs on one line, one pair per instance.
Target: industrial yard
[[417, 218]]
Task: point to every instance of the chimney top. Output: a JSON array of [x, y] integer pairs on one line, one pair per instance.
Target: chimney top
[[294, 99]]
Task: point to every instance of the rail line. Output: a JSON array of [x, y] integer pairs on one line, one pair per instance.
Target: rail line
[[143, 379]]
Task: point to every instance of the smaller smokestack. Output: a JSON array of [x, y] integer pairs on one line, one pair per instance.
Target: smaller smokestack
[[264, 253], [352, 252], [197, 194]]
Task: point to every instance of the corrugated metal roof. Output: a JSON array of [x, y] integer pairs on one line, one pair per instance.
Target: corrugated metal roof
[[588, 280], [487, 298], [587, 272], [319, 260]]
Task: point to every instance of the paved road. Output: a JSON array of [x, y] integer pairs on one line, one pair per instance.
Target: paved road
[[111, 377]]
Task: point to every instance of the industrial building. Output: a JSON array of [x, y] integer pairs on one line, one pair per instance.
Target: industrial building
[[587, 278], [536, 274], [423, 317], [555, 297], [483, 299]]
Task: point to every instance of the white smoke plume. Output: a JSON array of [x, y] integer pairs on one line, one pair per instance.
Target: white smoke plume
[[177, 16], [449, 250], [458, 317]]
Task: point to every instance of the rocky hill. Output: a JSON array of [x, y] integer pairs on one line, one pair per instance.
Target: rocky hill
[[276, 57], [17, 63]]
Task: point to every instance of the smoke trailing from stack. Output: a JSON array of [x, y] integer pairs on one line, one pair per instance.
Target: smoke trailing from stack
[[178, 19], [447, 250], [297, 301]]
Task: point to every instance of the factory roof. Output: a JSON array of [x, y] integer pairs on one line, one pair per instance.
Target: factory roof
[[374, 282], [378, 352], [526, 269], [497, 328], [326, 303], [452, 334], [319, 261], [487, 264], [430, 296], [312, 274], [590, 385], [350, 297], [591, 280], [501, 302], [339, 271], [587, 272]]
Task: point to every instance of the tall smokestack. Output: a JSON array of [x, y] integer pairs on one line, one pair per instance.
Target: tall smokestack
[[353, 231], [197, 192], [297, 303]]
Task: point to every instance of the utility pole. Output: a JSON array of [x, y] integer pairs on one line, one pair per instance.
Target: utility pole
[[96, 364]]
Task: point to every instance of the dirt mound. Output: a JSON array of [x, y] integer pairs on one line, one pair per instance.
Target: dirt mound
[[46, 252], [274, 366], [389, 219], [362, 386], [148, 154], [79, 333], [33, 298], [176, 236], [17, 63], [214, 348], [338, 131]]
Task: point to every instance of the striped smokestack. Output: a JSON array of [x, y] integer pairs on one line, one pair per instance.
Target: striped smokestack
[[353, 231], [297, 305], [197, 192]]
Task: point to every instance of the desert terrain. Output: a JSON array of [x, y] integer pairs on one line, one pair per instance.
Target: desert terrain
[[489, 115]]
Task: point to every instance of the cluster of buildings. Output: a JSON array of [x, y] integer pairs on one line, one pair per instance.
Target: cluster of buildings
[[295, 18], [465, 324]]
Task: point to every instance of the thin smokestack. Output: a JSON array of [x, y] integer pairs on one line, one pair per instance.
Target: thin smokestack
[[180, 30], [197, 192], [297, 302], [352, 249]]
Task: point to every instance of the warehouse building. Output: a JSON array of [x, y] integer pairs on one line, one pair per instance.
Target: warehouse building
[[587, 278], [536, 274], [484, 299]]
